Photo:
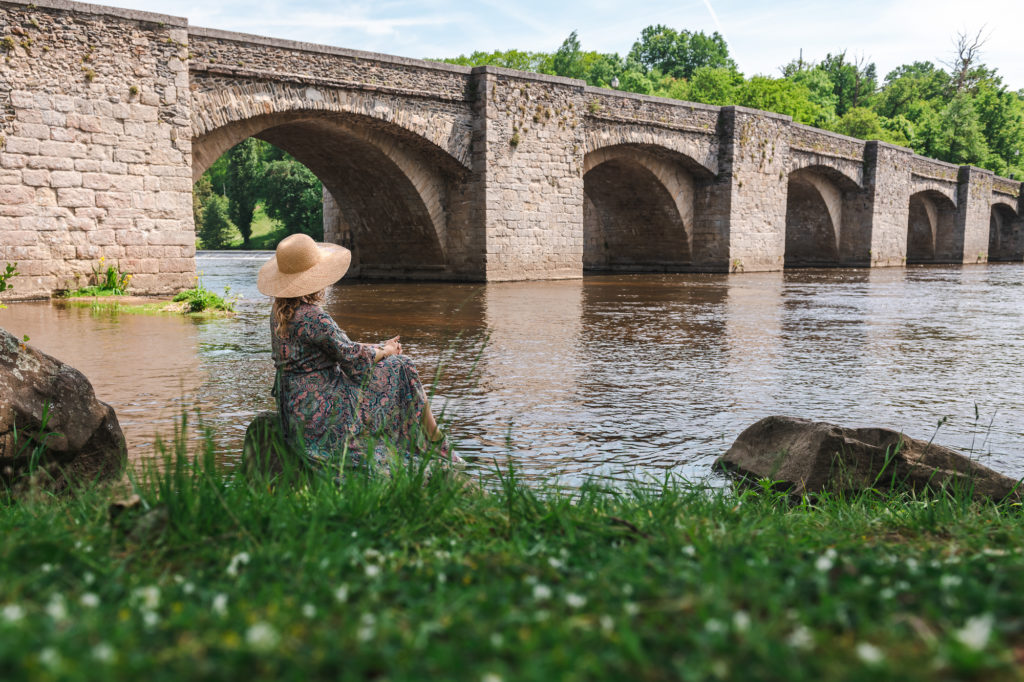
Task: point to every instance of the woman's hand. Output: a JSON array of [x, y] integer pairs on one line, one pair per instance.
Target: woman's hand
[[391, 347]]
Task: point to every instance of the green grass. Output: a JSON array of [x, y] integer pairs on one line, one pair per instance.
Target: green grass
[[266, 232], [211, 578]]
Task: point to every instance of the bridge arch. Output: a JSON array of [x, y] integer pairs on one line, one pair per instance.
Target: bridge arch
[[931, 229], [388, 174], [639, 210], [821, 229], [1006, 233]]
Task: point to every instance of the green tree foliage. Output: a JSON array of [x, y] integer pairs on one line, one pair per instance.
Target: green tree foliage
[[202, 190], [244, 172], [680, 53], [294, 196], [217, 229]]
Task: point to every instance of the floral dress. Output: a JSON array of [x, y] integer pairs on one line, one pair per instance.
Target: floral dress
[[336, 404]]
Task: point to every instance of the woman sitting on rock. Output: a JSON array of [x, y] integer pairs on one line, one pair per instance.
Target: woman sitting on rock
[[341, 403]]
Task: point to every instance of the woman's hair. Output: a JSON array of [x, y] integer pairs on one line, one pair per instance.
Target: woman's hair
[[284, 309]]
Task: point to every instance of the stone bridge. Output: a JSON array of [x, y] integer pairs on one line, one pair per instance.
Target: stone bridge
[[107, 116]]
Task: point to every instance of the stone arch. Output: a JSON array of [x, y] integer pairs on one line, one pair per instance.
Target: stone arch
[[639, 209], [843, 172], [931, 229], [1005, 233], [387, 180], [820, 218], [697, 149]]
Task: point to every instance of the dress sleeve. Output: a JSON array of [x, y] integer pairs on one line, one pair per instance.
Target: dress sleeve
[[355, 358]]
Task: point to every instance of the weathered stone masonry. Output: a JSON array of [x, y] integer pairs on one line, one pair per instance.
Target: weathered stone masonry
[[439, 171]]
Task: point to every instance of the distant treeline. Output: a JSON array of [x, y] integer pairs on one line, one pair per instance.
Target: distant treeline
[[963, 114]]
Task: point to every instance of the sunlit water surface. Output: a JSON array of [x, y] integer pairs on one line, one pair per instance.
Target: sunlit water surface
[[622, 377]]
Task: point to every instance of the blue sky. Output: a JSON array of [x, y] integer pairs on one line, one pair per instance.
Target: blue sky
[[762, 36]]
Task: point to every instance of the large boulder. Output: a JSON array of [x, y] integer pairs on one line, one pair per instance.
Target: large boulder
[[811, 457], [265, 453], [51, 422]]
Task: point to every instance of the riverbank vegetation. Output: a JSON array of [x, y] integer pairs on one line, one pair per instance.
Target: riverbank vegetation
[[963, 114], [205, 576]]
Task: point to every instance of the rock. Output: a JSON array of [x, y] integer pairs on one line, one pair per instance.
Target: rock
[[80, 440], [806, 456], [265, 452]]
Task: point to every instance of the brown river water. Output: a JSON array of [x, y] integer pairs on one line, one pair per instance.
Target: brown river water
[[613, 376]]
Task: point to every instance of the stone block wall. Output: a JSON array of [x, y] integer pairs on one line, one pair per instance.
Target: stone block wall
[[974, 208], [96, 146], [887, 183]]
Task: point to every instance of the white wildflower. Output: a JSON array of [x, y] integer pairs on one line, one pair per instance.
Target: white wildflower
[[237, 561], [491, 677], [57, 608], [800, 638], [575, 601], [541, 592], [630, 608], [689, 550], [188, 588], [948, 582], [741, 621], [497, 640], [627, 589], [869, 653], [912, 564], [373, 555], [607, 623], [887, 593], [372, 570], [826, 561], [103, 652], [149, 596], [47, 568], [150, 618], [976, 632], [262, 637], [49, 657], [714, 626], [88, 578], [341, 594], [12, 613], [89, 600], [367, 627], [220, 604], [442, 577], [555, 563], [308, 610]]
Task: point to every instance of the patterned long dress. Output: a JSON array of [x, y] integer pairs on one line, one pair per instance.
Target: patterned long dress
[[336, 402]]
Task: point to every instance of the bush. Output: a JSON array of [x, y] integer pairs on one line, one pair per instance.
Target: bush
[[199, 299]]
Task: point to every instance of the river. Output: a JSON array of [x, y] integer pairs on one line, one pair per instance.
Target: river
[[611, 376]]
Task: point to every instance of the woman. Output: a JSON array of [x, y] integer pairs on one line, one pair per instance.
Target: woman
[[342, 403]]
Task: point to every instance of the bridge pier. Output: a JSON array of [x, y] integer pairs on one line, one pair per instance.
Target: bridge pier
[[974, 206], [887, 190]]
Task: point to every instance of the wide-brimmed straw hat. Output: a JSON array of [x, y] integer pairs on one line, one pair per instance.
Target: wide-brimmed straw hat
[[301, 267]]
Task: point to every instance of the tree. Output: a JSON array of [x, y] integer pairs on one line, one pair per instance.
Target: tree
[[867, 125], [779, 95], [202, 190], [294, 197], [714, 85], [244, 172], [680, 53], [852, 82], [216, 231]]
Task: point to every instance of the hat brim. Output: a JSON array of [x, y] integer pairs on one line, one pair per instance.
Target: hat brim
[[333, 264]]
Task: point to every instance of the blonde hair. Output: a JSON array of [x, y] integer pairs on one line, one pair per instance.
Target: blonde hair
[[284, 309]]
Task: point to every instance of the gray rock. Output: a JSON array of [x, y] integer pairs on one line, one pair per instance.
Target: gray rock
[[811, 457], [80, 439], [265, 452]]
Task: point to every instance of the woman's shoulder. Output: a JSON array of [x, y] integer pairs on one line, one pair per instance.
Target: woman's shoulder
[[314, 315]]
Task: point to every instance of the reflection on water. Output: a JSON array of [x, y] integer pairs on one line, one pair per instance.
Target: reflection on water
[[615, 376]]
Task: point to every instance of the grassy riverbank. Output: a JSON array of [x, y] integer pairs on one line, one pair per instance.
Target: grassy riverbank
[[212, 579]]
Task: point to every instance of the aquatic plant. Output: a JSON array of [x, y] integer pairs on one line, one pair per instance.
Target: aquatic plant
[[6, 275]]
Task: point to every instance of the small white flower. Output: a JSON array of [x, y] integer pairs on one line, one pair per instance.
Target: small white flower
[[367, 627], [442, 577], [607, 622], [800, 638], [88, 578], [308, 610], [372, 570], [541, 615], [89, 600], [976, 632], [49, 657], [149, 596], [630, 608], [150, 619], [497, 640], [741, 621], [575, 601], [627, 589], [714, 626], [555, 563], [262, 637], [12, 613], [372, 555], [103, 652], [56, 608], [869, 653], [491, 677], [887, 593], [912, 564], [188, 588], [541, 592], [237, 561], [220, 604], [47, 568], [826, 561], [688, 550], [948, 582], [341, 594]]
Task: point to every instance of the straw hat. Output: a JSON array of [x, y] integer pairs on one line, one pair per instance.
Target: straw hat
[[302, 266]]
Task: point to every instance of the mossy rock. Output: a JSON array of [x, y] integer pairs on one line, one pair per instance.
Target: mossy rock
[[265, 455]]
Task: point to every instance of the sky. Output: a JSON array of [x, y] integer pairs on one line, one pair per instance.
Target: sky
[[762, 36]]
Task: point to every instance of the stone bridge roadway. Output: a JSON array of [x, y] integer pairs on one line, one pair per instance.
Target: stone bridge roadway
[[437, 171]]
